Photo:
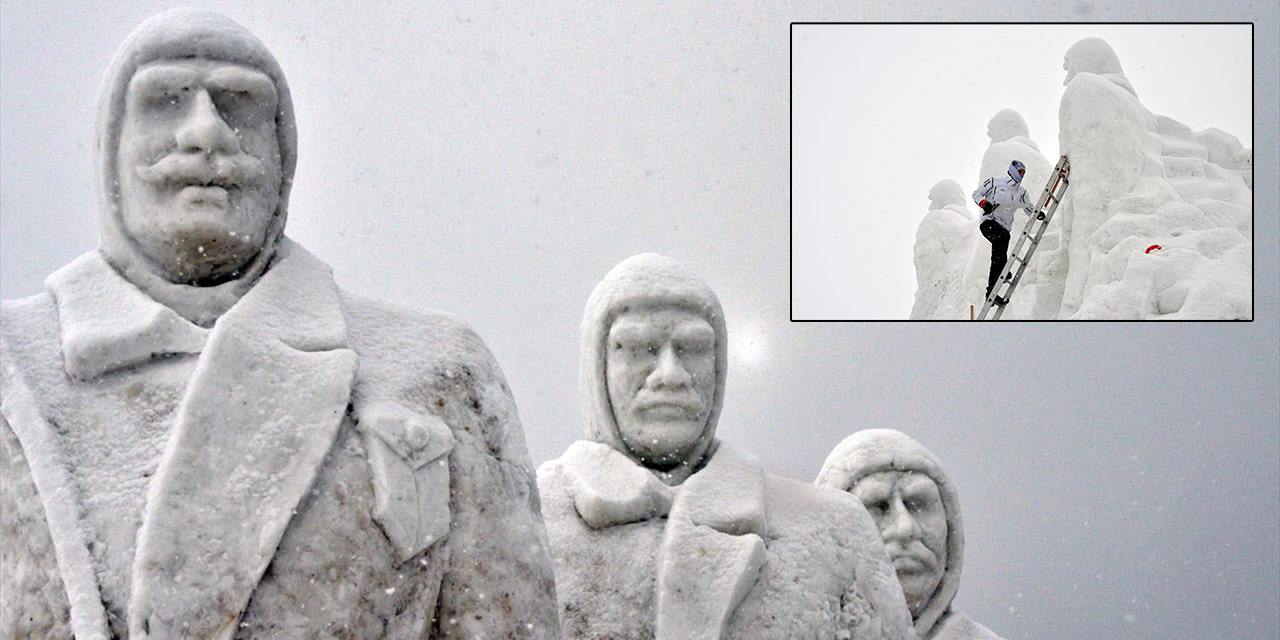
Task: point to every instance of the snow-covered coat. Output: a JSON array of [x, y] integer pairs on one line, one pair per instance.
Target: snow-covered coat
[[875, 450], [1006, 190], [370, 455], [312, 465], [732, 552]]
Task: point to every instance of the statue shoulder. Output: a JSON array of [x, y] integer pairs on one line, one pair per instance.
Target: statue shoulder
[[388, 330], [828, 508], [29, 333]]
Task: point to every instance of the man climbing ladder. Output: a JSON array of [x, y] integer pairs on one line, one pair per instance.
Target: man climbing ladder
[[998, 199], [1005, 193]]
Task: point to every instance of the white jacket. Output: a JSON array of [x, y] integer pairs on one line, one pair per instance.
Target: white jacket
[[1005, 190]]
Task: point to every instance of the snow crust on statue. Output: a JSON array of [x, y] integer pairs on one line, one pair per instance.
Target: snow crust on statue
[[1140, 179], [944, 241], [197, 400], [660, 530], [917, 510]]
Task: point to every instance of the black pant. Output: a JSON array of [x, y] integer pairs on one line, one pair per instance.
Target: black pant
[[999, 238]]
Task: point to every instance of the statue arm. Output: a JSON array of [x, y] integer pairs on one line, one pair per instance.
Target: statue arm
[[499, 580]]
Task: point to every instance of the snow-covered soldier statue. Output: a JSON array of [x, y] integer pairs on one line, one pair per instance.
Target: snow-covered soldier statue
[[203, 437], [997, 222], [660, 530], [917, 510]]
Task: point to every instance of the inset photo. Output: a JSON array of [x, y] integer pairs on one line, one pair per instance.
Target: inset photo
[[1021, 171]]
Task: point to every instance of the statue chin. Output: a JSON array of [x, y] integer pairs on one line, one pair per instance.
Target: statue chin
[[207, 242]]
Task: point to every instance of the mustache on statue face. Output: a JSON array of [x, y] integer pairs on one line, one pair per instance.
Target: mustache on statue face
[[203, 169], [913, 553]]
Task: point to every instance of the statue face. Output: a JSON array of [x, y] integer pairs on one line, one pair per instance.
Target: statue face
[[908, 510], [199, 166], [661, 373]]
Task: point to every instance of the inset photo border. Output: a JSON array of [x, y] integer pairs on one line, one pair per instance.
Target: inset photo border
[[899, 132]]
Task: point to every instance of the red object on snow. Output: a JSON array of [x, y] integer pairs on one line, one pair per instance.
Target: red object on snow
[[1153, 248]]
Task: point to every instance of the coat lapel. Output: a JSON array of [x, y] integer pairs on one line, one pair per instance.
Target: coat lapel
[[58, 496], [712, 552], [610, 489], [261, 411]]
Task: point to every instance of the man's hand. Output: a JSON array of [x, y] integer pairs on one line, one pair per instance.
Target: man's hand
[[987, 207]]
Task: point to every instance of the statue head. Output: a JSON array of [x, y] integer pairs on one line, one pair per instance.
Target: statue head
[[1092, 55], [914, 506], [946, 192], [1006, 124], [196, 152], [654, 358]]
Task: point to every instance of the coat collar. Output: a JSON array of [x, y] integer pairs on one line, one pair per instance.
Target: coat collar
[[107, 323], [712, 550], [262, 409]]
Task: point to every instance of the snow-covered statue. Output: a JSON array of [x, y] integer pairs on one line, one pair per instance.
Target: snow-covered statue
[[661, 530], [917, 511], [203, 437], [944, 241], [1157, 222]]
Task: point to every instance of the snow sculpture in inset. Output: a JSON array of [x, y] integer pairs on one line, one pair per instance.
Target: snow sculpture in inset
[[1138, 180], [944, 242], [203, 437], [660, 530], [917, 511]]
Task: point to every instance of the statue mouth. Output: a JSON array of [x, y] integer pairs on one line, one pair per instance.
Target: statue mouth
[[205, 195], [912, 561], [669, 408], [185, 170]]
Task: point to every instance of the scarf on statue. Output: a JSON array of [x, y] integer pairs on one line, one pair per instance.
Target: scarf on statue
[[712, 551], [262, 409]]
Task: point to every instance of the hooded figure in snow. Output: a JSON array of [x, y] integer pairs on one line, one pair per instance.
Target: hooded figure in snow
[[197, 400], [997, 220], [1141, 179], [917, 510], [943, 239], [660, 530]]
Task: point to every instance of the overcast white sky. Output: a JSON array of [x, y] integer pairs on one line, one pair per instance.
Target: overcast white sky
[[881, 113], [496, 160]]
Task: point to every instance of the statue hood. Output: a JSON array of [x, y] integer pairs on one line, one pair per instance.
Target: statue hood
[[1094, 55], [1006, 124], [874, 450], [946, 193], [647, 280], [176, 34]]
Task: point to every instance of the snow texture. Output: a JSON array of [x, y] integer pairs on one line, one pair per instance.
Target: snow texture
[[874, 450], [1137, 179], [311, 465], [729, 552]]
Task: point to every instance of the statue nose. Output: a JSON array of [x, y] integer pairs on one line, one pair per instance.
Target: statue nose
[[204, 130], [668, 372], [900, 524]]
